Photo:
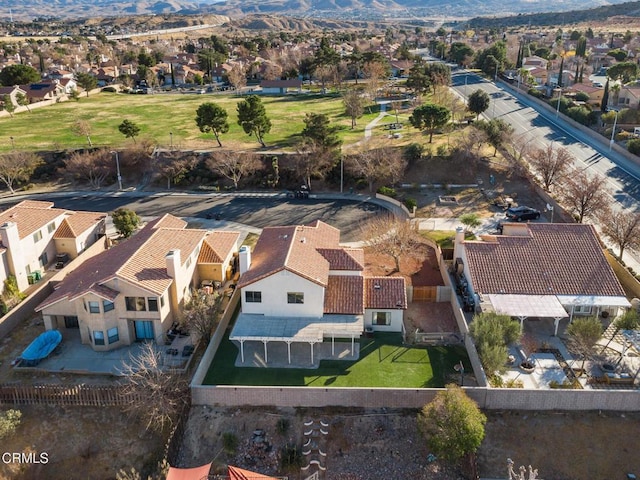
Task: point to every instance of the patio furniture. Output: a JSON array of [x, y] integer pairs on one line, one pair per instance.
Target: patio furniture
[[618, 379]]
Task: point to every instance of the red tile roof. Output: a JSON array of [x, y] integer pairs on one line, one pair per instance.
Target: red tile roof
[[555, 259], [344, 295], [169, 221], [30, 216], [78, 223], [385, 292], [343, 258], [217, 245], [139, 260], [294, 248]]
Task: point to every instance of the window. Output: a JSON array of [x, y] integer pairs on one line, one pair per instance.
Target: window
[[295, 297], [582, 309], [98, 337], [51, 227], [153, 304], [112, 335], [253, 297], [94, 307], [37, 236], [382, 318], [135, 304], [107, 306]]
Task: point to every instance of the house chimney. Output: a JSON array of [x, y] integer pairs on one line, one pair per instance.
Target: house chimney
[[173, 263], [457, 244], [244, 259]]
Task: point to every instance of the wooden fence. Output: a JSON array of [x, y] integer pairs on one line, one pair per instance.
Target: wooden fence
[[425, 294], [79, 395]]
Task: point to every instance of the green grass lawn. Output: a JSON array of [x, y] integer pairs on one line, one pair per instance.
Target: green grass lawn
[[49, 128], [383, 362]]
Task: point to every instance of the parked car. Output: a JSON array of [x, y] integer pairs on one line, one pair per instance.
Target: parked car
[[520, 213]]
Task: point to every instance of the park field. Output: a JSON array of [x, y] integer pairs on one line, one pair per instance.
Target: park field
[[169, 120]]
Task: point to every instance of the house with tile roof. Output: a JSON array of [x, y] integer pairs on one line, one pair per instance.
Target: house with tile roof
[[302, 286], [135, 290], [28, 233], [543, 270]]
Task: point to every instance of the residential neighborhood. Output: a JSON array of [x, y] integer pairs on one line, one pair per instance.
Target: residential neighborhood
[[287, 252]]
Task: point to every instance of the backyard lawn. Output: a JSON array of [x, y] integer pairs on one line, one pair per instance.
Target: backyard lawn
[[383, 362]]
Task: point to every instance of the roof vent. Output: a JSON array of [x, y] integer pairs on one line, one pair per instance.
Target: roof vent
[[377, 286], [303, 240]]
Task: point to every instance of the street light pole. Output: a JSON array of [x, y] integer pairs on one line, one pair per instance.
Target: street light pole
[[341, 172], [495, 78], [170, 140], [558, 106], [613, 132], [118, 170], [13, 145]]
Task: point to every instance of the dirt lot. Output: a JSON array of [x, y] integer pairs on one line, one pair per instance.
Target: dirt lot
[[387, 445]]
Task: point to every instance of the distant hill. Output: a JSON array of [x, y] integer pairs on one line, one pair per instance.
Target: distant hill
[[351, 9], [598, 14]]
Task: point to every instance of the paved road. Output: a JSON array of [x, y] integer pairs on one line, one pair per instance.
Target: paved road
[[257, 210]]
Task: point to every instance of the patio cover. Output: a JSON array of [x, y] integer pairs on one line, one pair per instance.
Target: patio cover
[[524, 306], [594, 301], [236, 473], [197, 473]]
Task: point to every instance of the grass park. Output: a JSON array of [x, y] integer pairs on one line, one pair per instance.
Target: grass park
[[384, 362], [169, 120]]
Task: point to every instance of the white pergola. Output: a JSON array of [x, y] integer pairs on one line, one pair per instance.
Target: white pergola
[[596, 301], [260, 328], [524, 306]]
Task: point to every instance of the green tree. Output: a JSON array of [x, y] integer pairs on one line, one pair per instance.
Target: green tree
[[87, 81], [23, 100], [460, 52], [7, 105], [492, 333], [495, 56], [212, 118], [18, 74], [625, 71], [129, 129], [9, 422], [430, 117], [583, 334], [498, 132], [253, 119], [318, 128], [629, 320], [478, 102], [452, 424], [418, 79], [470, 220], [125, 221]]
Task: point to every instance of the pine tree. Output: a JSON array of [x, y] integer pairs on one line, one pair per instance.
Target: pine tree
[[560, 73]]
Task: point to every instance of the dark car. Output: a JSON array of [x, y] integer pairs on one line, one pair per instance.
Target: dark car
[[518, 214]]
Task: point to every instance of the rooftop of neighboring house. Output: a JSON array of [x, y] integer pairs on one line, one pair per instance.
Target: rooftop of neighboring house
[[30, 216], [586, 88], [217, 246], [293, 248], [139, 260], [78, 223], [541, 259]]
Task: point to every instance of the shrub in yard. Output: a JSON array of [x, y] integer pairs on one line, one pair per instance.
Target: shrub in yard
[[291, 456], [633, 146], [442, 151], [388, 191], [9, 422], [413, 152], [229, 442], [282, 425], [535, 93], [582, 97], [410, 203]]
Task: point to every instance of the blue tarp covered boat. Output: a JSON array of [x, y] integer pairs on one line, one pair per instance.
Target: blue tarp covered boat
[[41, 347]]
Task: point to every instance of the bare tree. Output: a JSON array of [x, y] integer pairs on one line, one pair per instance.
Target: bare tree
[[378, 164], [519, 146], [237, 77], [313, 160], [551, 164], [374, 72], [174, 166], [200, 315], [163, 395], [233, 165], [353, 104], [82, 128], [325, 74], [94, 167], [17, 167], [388, 235], [469, 145], [622, 227], [585, 195]]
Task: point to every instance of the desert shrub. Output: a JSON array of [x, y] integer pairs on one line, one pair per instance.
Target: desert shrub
[[388, 191], [623, 136], [110, 89], [442, 151], [230, 442], [582, 97], [9, 422], [291, 456], [282, 425], [633, 146], [413, 152]]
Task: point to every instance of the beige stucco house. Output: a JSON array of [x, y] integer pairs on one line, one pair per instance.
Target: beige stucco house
[[134, 291], [29, 231]]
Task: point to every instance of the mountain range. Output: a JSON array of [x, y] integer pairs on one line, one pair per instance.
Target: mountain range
[[407, 9]]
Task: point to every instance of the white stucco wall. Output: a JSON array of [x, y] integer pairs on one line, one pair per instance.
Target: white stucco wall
[[396, 320], [274, 296]]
